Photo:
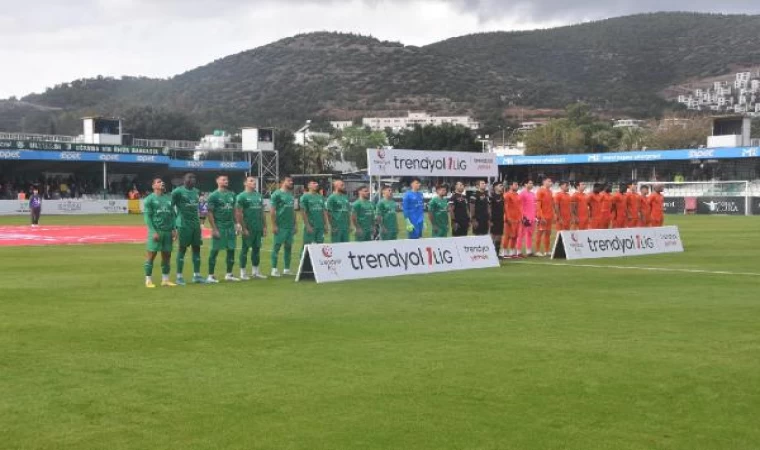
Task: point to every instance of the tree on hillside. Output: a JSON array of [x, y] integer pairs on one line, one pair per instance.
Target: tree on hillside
[[290, 158], [356, 140], [429, 137], [686, 133], [319, 154], [158, 123], [556, 137], [633, 139]]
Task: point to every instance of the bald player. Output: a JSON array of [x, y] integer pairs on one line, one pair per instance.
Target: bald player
[[579, 208], [545, 216]]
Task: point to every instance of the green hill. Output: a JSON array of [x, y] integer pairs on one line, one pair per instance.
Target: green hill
[[618, 65]]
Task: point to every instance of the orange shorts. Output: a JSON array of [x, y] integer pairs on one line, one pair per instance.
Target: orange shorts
[[656, 222], [546, 225], [512, 230], [582, 225], [564, 224]]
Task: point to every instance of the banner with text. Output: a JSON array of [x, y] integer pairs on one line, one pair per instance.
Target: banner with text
[[358, 260], [420, 163], [588, 244], [65, 207]]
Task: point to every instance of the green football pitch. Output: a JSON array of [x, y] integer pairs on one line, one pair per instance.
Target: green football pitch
[[659, 352]]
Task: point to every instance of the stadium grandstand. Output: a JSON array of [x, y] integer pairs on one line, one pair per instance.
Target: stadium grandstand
[[691, 177], [103, 163]]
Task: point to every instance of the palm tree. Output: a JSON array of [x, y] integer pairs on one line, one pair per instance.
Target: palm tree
[[319, 154], [633, 138]]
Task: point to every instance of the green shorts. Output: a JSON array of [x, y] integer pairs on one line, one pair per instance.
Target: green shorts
[[253, 240], [316, 237], [441, 232], [364, 236], [284, 236], [164, 243], [389, 235], [226, 240], [190, 236], [338, 236]]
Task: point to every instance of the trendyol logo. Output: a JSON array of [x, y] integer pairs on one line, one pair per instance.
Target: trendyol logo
[[404, 260], [431, 165], [327, 252], [621, 244]]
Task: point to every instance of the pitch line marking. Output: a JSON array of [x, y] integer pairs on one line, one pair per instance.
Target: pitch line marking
[[652, 269]]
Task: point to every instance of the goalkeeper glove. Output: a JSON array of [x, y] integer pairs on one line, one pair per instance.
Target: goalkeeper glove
[[409, 226]]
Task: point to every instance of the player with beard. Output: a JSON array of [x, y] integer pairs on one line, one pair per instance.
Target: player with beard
[[338, 213], [595, 206], [459, 211], [438, 212], [497, 215], [221, 219], [480, 210], [185, 201], [580, 207], [387, 216], [283, 225], [363, 216]]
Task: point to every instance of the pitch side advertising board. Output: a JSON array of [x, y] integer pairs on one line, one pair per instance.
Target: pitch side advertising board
[[590, 244], [733, 206], [65, 207], [327, 263], [407, 163]]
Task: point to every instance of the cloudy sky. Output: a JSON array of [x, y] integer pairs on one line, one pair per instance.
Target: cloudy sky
[[44, 42]]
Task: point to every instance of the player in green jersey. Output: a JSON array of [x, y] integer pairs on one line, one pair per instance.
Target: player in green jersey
[[283, 224], [313, 214], [250, 217], [221, 218], [185, 200], [438, 212], [387, 216], [338, 213], [159, 217], [363, 217]]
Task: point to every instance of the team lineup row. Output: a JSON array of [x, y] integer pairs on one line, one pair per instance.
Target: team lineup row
[[508, 217]]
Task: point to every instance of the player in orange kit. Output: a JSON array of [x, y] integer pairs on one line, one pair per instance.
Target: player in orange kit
[[545, 216], [619, 210], [632, 206], [563, 207], [656, 201], [606, 206], [595, 207], [579, 208], [646, 213], [512, 219]]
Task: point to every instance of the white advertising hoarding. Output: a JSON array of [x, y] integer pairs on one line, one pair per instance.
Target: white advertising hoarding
[[589, 244], [65, 207], [358, 260], [385, 162]]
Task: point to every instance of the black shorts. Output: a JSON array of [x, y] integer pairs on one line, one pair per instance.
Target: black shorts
[[497, 228], [481, 229], [460, 230]]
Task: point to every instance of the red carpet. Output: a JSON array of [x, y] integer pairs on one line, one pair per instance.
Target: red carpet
[[68, 235]]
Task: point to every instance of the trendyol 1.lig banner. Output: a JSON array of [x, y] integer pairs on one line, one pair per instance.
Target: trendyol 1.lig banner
[[357, 260], [407, 163], [588, 244]]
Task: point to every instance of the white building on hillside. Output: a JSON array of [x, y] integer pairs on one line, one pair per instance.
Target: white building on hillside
[[341, 124], [418, 118]]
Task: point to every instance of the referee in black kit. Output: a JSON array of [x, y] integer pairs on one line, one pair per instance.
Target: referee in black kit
[[459, 211]]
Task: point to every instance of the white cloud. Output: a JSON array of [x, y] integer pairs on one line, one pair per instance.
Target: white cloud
[[161, 38]]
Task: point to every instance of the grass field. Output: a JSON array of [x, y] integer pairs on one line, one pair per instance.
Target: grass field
[[529, 356]]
